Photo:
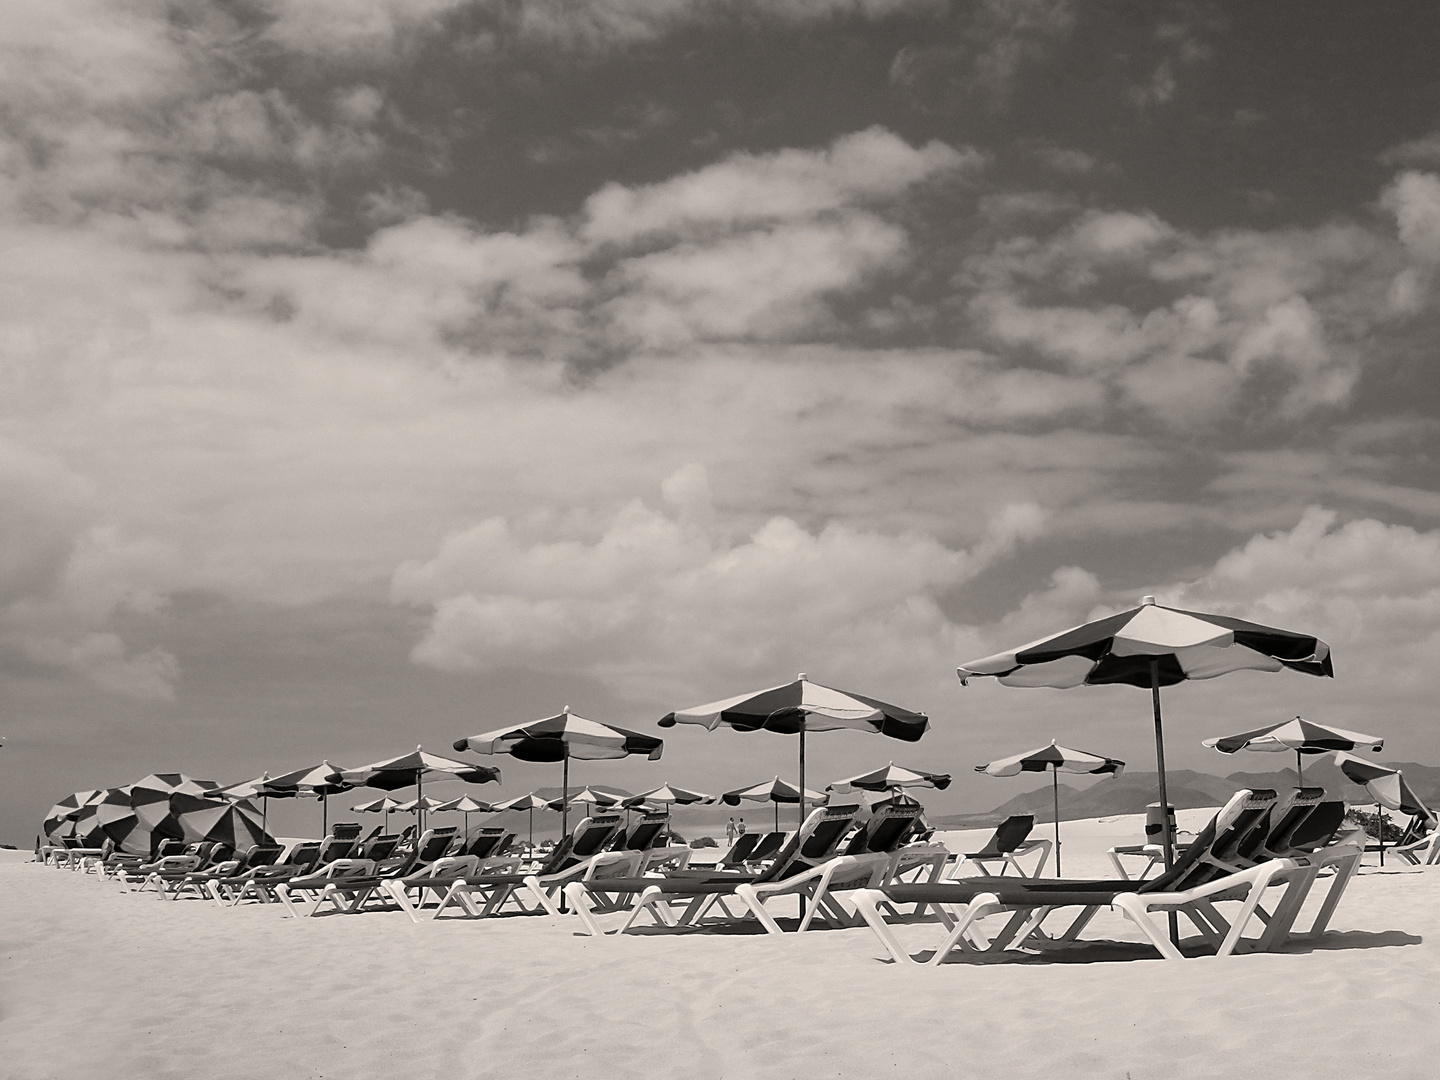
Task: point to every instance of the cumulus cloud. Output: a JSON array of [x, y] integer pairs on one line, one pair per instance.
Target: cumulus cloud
[[654, 597]]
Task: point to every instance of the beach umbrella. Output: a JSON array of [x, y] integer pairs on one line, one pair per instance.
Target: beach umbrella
[[317, 780], [560, 738], [248, 789], [59, 823], [150, 799], [890, 778], [1053, 759], [1152, 646], [422, 803], [1387, 787], [800, 706], [529, 802], [669, 795], [1300, 735], [466, 805], [86, 825], [117, 819], [382, 805], [412, 769], [589, 796], [236, 823], [775, 791]]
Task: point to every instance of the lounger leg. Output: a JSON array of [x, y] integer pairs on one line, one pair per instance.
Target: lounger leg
[[579, 898], [1134, 908], [533, 886], [751, 898], [867, 902], [982, 905]]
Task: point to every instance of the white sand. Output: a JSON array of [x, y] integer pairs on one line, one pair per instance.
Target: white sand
[[97, 983]]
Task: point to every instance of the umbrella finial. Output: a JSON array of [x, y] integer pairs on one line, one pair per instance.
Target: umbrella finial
[[801, 677], [566, 710], [1147, 600]]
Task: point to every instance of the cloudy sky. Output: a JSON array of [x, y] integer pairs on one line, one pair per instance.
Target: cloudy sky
[[377, 372]]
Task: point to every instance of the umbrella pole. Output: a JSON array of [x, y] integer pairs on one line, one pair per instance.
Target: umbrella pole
[[802, 774], [1168, 841], [777, 815], [1055, 791], [325, 813], [1380, 812], [1299, 772], [419, 805], [565, 794]]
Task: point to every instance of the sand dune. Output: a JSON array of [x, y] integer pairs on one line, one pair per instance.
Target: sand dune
[[100, 983]]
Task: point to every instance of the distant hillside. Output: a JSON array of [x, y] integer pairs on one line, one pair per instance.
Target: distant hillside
[[1132, 791]]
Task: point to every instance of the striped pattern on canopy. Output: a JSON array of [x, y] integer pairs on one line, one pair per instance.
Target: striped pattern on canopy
[[465, 804], [1300, 736], [804, 705], [424, 802], [1054, 756], [323, 779], [529, 801], [382, 805], [891, 778], [565, 735], [59, 823], [776, 791], [1119, 648], [668, 794], [117, 819], [236, 824], [408, 769], [150, 799], [1386, 786]]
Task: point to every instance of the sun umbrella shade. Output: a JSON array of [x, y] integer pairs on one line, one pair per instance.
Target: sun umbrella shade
[[671, 795], [1300, 736], [382, 805], [237, 824], [245, 789], [591, 797], [889, 778], [1386, 786], [117, 819], [150, 798], [1187, 644], [528, 801], [1061, 758], [59, 821], [424, 802], [322, 779], [806, 705], [776, 791], [465, 804], [405, 770], [565, 735]]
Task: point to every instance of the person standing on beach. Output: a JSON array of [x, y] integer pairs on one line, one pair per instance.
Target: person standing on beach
[[740, 828], [730, 833]]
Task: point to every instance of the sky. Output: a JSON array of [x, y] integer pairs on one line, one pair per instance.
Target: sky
[[381, 372]]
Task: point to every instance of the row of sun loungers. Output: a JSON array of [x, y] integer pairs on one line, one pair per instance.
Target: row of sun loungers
[[880, 874]]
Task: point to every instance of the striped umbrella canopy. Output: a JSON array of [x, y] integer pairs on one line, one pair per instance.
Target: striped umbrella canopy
[[561, 737], [412, 769], [424, 802], [890, 778], [245, 789], [466, 805], [800, 706], [117, 819], [1386, 786], [150, 799], [529, 802], [1153, 646], [317, 780], [589, 796], [1053, 759], [59, 823], [235, 823], [775, 791], [668, 795], [86, 825], [1300, 736], [382, 805]]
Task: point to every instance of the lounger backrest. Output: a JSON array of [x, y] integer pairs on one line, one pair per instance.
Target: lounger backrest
[[1009, 835], [646, 833], [741, 849], [1319, 828], [261, 855], [886, 830], [813, 843], [1246, 829], [1287, 815], [346, 830], [333, 847], [769, 845], [382, 847], [588, 838], [1192, 867], [169, 847], [485, 843], [305, 856], [434, 844]]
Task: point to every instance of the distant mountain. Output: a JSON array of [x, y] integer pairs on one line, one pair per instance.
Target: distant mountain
[[1132, 791]]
